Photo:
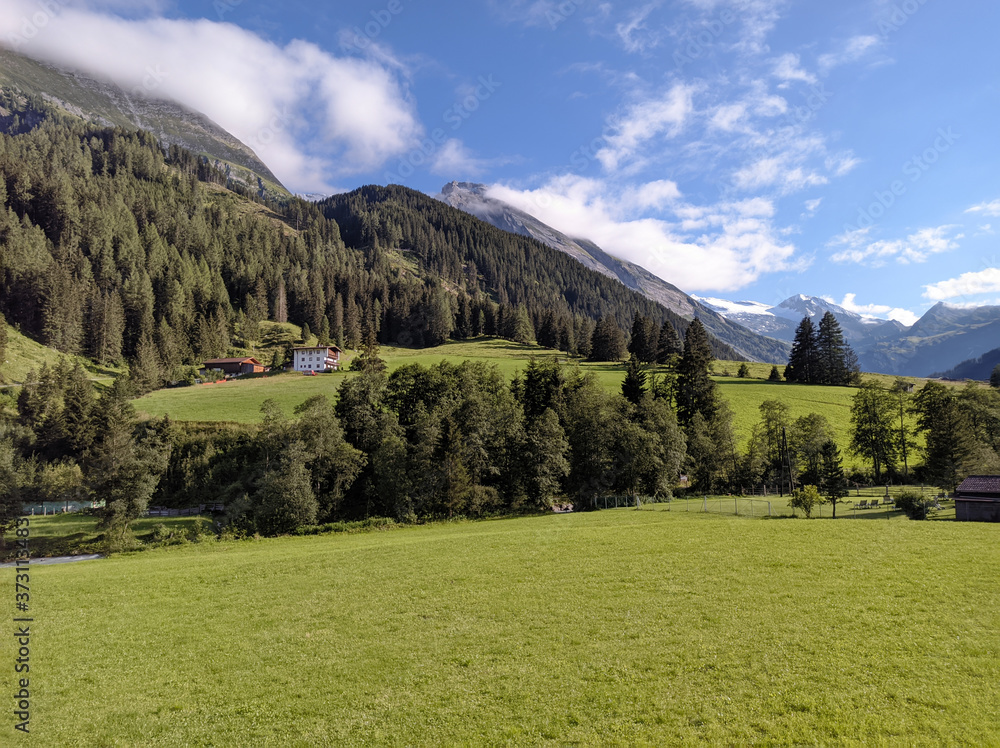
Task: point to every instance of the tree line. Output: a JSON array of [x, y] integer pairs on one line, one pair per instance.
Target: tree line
[[439, 441]]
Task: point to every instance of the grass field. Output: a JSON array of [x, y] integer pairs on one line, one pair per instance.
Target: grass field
[[616, 628], [24, 355], [77, 533]]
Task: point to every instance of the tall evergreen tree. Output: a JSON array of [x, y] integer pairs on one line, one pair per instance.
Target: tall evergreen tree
[[695, 388], [831, 353], [833, 483], [947, 432], [802, 363], [634, 385], [668, 343], [608, 341], [644, 340]]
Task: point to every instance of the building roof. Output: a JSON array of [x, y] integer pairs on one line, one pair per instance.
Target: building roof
[[318, 348], [245, 360], [981, 484]]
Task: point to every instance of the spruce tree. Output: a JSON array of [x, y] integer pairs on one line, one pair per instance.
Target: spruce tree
[[635, 381], [802, 363], [695, 388], [832, 479], [607, 342], [831, 353], [669, 343]]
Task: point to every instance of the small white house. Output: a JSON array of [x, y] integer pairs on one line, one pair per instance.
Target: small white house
[[316, 358]]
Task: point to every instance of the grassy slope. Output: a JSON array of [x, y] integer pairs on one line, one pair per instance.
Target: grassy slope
[[25, 355], [621, 627]]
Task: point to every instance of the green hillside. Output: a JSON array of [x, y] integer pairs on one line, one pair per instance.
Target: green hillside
[[240, 400], [24, 355], [616, 628]]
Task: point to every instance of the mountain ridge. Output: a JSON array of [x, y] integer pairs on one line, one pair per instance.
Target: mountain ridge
[[107, 104], [473, 198]]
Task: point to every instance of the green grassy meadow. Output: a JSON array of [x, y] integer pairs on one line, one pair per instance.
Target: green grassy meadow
[[614, 628], [240, 400], [77, 533]]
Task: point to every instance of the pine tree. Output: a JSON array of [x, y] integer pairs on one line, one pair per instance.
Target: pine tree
[[832, 479], [644, 339], [995, 377], [831, 353], [635, 381], [802, 363], [607, 342], [668, 344], [695, 388]]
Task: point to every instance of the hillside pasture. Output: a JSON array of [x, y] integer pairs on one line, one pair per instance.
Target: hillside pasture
[[614, 628]]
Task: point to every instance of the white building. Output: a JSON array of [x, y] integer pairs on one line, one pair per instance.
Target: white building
[[317, 358]]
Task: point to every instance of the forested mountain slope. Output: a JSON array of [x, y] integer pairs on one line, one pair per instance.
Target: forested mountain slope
[[121, 250], [476, 257], [473, 198], [104, 103]]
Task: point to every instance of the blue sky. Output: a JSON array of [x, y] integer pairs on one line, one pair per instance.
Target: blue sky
[[741, 149]]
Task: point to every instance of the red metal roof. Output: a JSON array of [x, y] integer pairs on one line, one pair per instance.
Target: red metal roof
[[247, 360]]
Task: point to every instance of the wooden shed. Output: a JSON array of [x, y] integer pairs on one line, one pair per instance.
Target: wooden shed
[[231, 366], [978, 499]]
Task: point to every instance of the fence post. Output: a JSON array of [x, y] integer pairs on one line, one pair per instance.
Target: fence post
[[736, 502], [769, 509], [704, 505]]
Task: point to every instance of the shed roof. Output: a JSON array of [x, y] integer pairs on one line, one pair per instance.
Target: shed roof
[[245, 360], [981, 484]]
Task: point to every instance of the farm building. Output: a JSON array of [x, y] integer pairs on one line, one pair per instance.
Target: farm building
[[231, 366], [978, 499], [316, 358]]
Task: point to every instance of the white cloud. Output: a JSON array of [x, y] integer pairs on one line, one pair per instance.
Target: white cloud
[[967, 284], [987, 209], [916, 247], [788, 69], [642, 123], [903, 316], [310, 116], [634, 34], [776, 172], [722, 247], [455, 161], [842, 163], [853, 50]]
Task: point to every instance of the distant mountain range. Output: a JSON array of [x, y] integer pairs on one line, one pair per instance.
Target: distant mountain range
[[780, 321], [472, 198], [944, 336], [108, 105]]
